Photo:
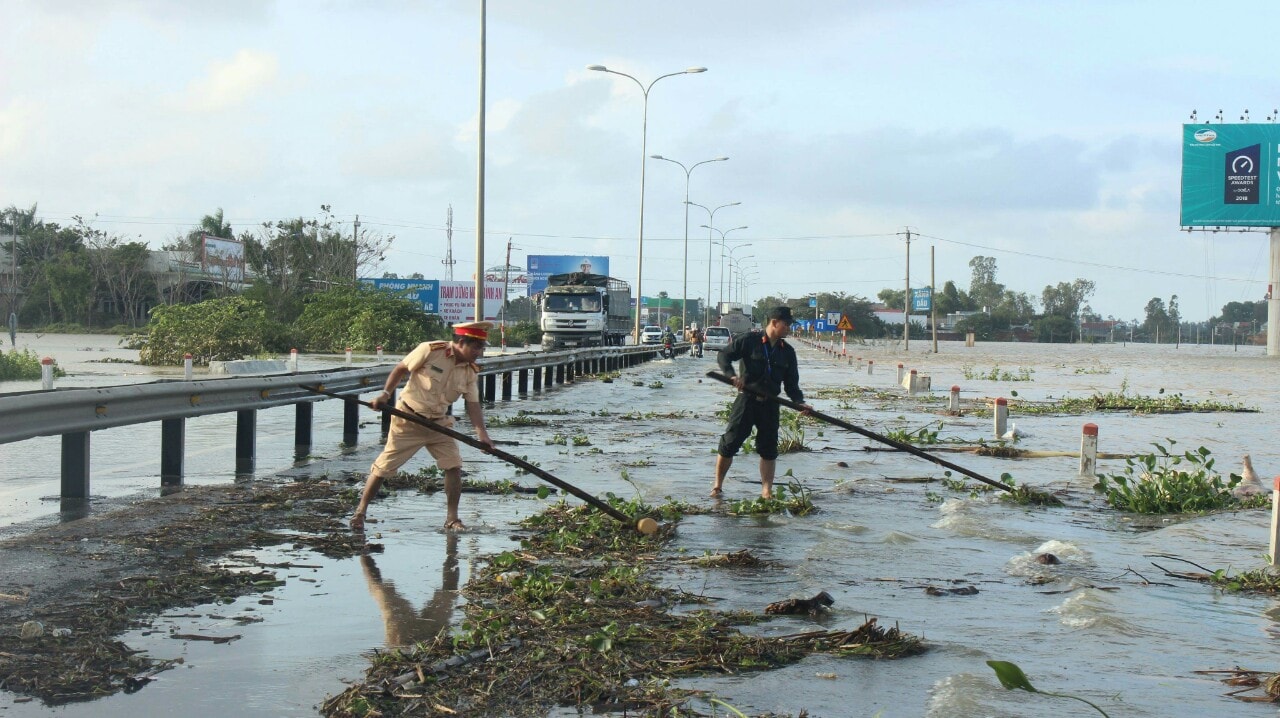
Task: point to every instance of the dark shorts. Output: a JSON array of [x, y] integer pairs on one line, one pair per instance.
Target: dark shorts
[[748, 413]]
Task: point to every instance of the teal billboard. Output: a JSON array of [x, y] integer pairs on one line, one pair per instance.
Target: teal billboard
[[1231, 175]]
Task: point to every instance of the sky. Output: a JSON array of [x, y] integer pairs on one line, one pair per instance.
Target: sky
[[1045, 134]]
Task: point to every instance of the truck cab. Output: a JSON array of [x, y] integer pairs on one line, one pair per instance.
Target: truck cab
[[582, 310]]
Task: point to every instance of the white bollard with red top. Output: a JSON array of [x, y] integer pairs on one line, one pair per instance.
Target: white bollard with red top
[[1275, 518], [186, 366], [1002, 416], [348, 356], [871, 365], [293, 360], [901, 373], [1089, 450], [379, 352], [953, 405], [46, 373], [911, 382]]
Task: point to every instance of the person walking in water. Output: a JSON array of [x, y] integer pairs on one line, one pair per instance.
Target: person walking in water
[[439, 372], [769, 366]]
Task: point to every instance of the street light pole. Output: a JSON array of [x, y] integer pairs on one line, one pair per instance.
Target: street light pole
[[723, 239], [644, 140], [688, 171], [706, 310]]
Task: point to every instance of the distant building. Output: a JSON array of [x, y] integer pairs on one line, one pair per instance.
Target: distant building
[[1102, 330]]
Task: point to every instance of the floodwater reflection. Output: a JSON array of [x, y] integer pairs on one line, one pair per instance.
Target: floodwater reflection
[[406, 625]]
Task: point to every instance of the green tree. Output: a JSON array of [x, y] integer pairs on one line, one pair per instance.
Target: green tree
[[1053, 328], [984, 291], [365, 318], [1066, 299], [892, 298], [222, 329]]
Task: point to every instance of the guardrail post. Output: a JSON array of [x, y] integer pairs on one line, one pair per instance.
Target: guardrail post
[[246, 441], [75, 465], [559, 373], [304, 412], [523, 381], [173, 433], [569, 372], [506, 385], [1002, 416], [538, 372], [490, 387], [1089, 450], [350, 421], [186, 366]]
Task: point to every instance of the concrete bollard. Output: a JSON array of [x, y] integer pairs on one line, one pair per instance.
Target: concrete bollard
[[953, 405], [1089, 450], [186, 366], [46, 373], [871, 365], [348, 356], [859, 362], [1275, 518], [293, 360], [969, 339], [901, 373], [912, 379], [1002, 416], [379, 352]]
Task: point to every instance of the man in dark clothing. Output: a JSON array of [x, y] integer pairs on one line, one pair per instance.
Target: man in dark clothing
[[769, 365]]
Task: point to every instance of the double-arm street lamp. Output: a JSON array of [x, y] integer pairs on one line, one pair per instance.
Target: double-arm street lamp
[[735, 274], [684, 310], [710, 225], [723, 243], [644, 138]]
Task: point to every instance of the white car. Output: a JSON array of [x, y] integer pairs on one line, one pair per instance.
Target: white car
[[716, 338], [651, 335]]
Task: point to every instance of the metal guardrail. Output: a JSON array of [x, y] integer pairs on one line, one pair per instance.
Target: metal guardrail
[[26, 415]]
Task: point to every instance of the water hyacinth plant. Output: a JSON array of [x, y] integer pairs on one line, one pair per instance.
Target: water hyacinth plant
[[1165, 482]]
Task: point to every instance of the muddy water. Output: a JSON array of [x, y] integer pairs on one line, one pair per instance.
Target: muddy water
[[1090, 625]]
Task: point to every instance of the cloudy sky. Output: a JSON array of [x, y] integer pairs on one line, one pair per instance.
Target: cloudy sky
[[1044, 134]]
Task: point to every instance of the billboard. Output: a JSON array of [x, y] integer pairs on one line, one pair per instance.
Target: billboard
[[222, 257], [423, 291], [922, 299], [1230, 175], [541, 266], [458, 301]]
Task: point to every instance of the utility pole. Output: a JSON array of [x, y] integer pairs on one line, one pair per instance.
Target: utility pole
[[906, 298], [933, 298], [355, 252], [448, 260], [506, 279], [480, 173]]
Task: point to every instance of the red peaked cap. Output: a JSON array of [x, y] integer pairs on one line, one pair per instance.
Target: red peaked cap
[[473, 330]]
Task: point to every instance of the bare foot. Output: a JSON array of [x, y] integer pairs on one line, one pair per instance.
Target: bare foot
[[766, 494], [454, 525], [716, 492], [357, 522]]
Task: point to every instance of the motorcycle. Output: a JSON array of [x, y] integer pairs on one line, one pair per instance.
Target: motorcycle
[[696, 350], [668, 350]]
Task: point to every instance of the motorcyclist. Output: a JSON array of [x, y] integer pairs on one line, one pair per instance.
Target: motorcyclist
[[668, 343], [695, 340]]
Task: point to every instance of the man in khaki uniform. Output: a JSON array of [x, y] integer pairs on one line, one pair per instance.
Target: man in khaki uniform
[[439, 372]]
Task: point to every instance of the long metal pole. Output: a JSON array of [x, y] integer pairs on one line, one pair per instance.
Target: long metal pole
[[1273, 299], [644, 142], [706, 311], [933, 298], [684, 295], [480, 176], [906, 301]]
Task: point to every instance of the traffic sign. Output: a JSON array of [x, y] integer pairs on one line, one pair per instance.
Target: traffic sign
[[844, 325], [922, 299], [820, 325], [833, 317], [813, 301]]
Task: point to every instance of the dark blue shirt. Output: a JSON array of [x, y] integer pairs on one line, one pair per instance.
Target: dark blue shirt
[[765, 367]]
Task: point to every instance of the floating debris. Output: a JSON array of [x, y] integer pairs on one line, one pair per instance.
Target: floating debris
[[799, 606]]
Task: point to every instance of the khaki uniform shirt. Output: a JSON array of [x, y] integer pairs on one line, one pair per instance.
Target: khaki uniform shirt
[[437, 379]]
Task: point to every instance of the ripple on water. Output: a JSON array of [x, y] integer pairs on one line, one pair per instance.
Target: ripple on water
[[898, 537], [1090, 609], [967, 694], [974, 517]]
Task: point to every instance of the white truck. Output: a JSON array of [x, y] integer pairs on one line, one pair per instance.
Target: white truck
[[584, 310], [733, 316]]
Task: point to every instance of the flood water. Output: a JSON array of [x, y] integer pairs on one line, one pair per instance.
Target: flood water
[[1089, 626]]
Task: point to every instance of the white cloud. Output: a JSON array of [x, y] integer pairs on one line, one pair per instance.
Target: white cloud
[[231, 83]]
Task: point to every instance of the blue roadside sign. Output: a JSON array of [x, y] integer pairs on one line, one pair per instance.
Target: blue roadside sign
[[820, 325], [813, 301], [922, 299]]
